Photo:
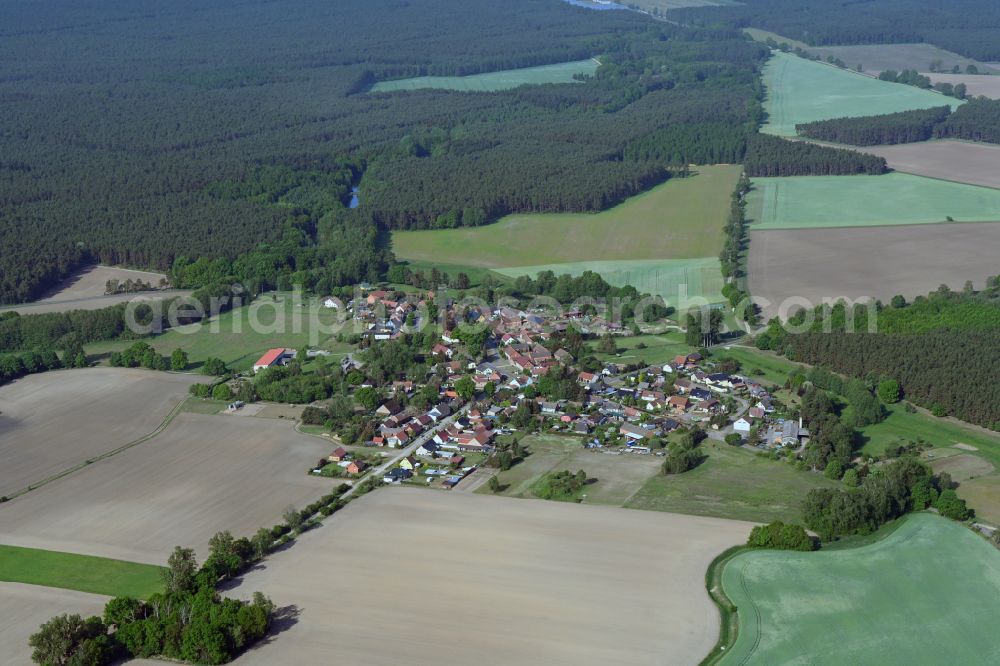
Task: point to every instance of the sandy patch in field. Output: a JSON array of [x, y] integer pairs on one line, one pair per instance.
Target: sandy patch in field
[[965, 447], [23, 608], [94, 302], [203, 474], [957, 161], [874, 262], [92, 282], [52, 421], [975, 84], [963, 467], [419, 577]]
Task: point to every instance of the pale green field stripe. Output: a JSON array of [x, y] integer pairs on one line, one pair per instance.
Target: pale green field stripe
[[676, 280], [491, 81], [802, 91], [806, 202]]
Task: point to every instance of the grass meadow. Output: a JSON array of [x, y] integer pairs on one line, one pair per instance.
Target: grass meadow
[[802, 91], [731, 483], [809, 202], [240, 336], [98, 575], [861, 605], [503, 80]]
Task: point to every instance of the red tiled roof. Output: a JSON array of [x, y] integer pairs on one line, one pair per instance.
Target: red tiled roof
[[271, 357]]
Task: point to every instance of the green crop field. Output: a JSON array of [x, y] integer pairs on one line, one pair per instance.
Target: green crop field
[[239, 337], [680, 219], [925, 594], [732, 483], [806, 202], [562, 72], [802, 91], [98, 575], [656, 241]]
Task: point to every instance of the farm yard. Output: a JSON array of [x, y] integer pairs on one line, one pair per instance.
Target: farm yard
[[976, 84], [804, 202], [53, 421], [553, 575], [802, 91], [641, 240], [201, 475], [24, 607], [876, 262], [956, 161], [240, 336], [491, 81], [860, 605], [732, 483]]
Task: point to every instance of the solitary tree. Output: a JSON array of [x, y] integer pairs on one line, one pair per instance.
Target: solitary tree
[[178, 360], [179, 576], [494, 484]]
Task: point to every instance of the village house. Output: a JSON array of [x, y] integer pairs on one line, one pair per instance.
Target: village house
[[339, 454], [357, 467], [634, 433]]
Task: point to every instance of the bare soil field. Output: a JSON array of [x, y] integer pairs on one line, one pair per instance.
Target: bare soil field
[[976, 84], [52, 421], [23, 608], [957, 161], [406, 575], [93, 302], [876, 58], [85, 291], [874, 262], [203, 474]]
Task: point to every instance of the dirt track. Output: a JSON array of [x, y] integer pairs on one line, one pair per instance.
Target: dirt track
[[23, 608], [54, 420], [958, 161], [203, 474], [875, 262], [430, 578]]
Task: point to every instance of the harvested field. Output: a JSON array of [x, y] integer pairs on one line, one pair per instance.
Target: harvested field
[[802, 91], [52, 421], [876, 58], [201, 475], [562, 72], [860, 605], [956, 161], [85, 291], [807, 202], [680, 219], [23, 608], [976, 84], [875, 262], [427, 578]]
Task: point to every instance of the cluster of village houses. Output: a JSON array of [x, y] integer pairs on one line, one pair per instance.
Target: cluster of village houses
[[623, 406]]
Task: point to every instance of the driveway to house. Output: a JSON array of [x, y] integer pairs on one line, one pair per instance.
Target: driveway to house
[[379, 471]]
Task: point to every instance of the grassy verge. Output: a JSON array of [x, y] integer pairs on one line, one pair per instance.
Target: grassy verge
[[85, 573], [729, 624]]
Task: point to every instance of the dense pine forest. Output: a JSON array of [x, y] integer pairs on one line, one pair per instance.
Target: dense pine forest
[[890, 128], [774, 156], [968, 27], [976, 120], [943, 349], [154, 134]]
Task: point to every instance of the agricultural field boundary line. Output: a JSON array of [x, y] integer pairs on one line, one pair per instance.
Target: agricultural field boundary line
[[104, 456]]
